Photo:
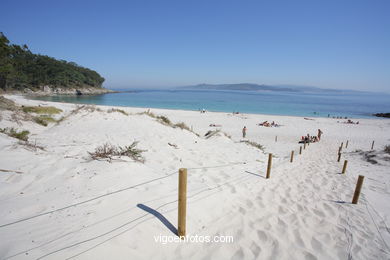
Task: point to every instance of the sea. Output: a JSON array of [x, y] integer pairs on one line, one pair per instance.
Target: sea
[[306, 104]]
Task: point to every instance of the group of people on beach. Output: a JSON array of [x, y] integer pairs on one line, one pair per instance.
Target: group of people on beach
[[351, 122], [312, 139], [338, 117], [268, 124]]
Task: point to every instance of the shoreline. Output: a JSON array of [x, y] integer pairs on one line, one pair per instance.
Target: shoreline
[[179, 109]]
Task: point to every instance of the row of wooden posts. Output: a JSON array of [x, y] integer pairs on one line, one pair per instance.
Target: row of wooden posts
[[359, 183], [182, 209]]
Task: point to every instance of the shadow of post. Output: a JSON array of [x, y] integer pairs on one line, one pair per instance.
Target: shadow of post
[[258, 175], [160, 217]]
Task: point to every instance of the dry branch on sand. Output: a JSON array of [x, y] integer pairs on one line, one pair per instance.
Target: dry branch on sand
[[109, 151], [31, 146]]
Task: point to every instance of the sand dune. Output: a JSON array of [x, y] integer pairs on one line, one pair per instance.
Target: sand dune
[[58, 203]]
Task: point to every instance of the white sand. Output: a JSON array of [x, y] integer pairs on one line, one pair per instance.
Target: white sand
[[60, 204]]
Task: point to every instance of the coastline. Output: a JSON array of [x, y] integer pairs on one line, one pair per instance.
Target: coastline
[[36, 97], [303, 208], [50, 91]]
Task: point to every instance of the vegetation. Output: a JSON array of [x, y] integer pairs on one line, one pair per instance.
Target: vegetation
[[21, 69], [182, 125], [254, 144], [109, 151], [12, 132], [164, 120], [44, 120], [112, 110], [7, 104], [211, 133], [31, 146], [42, 110]]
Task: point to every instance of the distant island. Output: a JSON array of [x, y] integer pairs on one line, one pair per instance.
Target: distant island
[[23, 71], [262, 87]]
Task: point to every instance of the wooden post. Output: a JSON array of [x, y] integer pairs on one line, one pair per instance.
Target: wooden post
[[181, 230], [345, 166], [276, 138], [358, 189], [304, 145], [292, 156], [300, 149], [346, 145], [269, 165], [340, 149], [338, 159], [342, 144], [372, 146]]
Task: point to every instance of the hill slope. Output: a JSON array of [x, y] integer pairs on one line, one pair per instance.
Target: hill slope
[[22, 70]]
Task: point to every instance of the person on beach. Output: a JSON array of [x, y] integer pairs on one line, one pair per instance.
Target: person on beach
[[244, 132], [319, 134]]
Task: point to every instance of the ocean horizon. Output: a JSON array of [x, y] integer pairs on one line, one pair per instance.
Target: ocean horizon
[[306, 104]]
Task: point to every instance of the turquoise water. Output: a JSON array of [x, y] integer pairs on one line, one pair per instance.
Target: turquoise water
[[353, 104]]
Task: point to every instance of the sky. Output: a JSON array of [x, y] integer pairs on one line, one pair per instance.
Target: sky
[[340, 44]]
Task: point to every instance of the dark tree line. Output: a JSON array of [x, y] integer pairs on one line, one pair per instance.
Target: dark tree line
[[20, 69]]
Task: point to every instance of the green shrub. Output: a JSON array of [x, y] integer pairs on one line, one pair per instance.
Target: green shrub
[[42, 110], [40, 121], [44, 120], [12, 132]]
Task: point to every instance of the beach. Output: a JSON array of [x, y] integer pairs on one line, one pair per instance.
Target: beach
[[59, 203]]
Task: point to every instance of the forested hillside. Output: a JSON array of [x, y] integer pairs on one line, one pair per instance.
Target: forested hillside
[[20, 69]]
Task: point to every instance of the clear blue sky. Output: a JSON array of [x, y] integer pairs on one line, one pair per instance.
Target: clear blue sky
[[343, 44]]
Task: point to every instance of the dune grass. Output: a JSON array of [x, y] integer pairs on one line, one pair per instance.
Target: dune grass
[[112, 110], [44, 120], [42, 110], [12, 132], [254, 144]]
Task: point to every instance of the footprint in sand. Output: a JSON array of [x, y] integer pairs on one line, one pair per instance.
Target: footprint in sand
[[249, 203], [316, 245], [282, 210], [309, 256], [239, 254], [259, 202], [298, 238], [318, 213], [242, 211], [328, 209], [263, 237], [255, 249]]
